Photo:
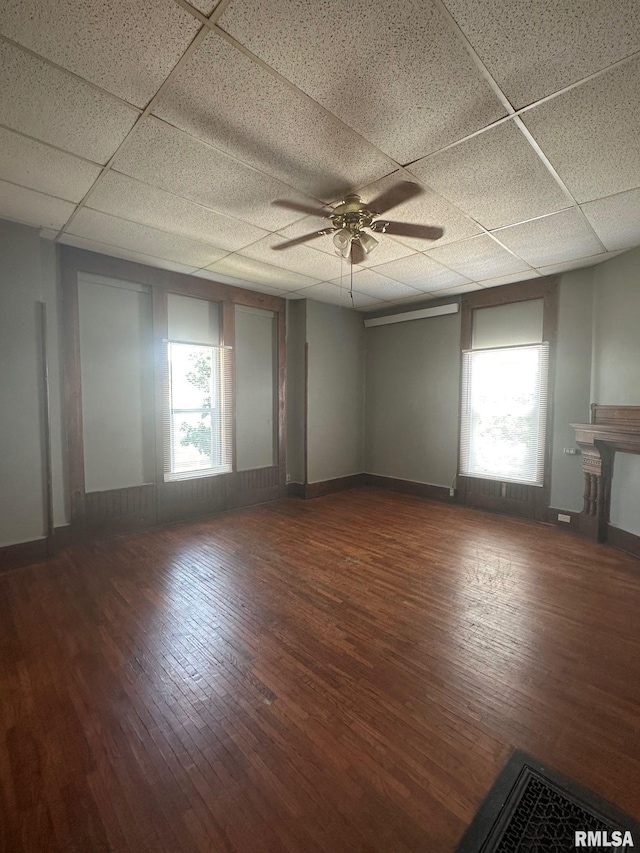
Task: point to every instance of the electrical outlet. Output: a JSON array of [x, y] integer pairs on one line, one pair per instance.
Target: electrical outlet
[[565, 518], [452, 492], [570, 451], [288, 478]]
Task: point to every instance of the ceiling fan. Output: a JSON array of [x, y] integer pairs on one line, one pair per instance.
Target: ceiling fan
[[352, 220]]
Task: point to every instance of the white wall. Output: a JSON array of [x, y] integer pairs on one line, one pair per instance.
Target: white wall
[[335, 443], [27, 275], [615, 378]]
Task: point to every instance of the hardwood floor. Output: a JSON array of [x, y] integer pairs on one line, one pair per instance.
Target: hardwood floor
[[345, 674]]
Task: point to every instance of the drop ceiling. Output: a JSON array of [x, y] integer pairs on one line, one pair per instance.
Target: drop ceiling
[[162, 132]]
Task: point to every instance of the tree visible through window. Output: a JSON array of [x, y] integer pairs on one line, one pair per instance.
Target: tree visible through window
[[199, 440], [504, 412]]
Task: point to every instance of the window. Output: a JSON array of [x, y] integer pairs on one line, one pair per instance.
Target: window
[[198, 425], [504, 413]]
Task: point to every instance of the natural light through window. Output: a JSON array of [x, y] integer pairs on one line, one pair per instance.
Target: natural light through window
[[198, 429], [504, 412]]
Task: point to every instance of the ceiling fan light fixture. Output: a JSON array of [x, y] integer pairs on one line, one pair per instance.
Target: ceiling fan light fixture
[[367, 242], [342, 240]]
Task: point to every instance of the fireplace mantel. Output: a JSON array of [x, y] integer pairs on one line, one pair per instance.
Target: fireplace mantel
[[612, 428]]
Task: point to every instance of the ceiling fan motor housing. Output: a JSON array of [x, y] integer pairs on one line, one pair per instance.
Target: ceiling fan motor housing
[[353, 215]]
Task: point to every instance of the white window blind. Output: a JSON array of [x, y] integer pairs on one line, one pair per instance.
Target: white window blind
[[197, 411], [504, 413]]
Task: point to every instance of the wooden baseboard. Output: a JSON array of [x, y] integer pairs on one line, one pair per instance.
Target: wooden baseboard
[[572, 524], [23, 554], [629, 542], [295, 490], [328, 487], [408, 487]]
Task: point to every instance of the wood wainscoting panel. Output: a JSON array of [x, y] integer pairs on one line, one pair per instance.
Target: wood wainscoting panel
[[510, 498], [182, 499], [245, 488], [119, 510]]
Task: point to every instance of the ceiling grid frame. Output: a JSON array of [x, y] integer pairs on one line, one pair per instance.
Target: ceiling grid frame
[[484, 71], [195, 43]]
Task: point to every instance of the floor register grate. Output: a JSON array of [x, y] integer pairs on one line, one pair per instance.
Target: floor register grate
[[532, 809]]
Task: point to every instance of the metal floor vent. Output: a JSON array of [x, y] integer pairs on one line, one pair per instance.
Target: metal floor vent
[[532, 809]]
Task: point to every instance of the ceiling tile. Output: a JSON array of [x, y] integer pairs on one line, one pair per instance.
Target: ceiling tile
[[477, 258], [616, 219], [401, 78], [307, 225], [204, 6], [239, 282], [302, 259], [262, 121], [126, 48], [336, 295], [364, 301], [370, 283], [387, 250], [496, 177], [260, 273], [128, 198], [166, 157], [510, 279], [421, 272], [39, 167], [47, 103], [534, 48], [142, 239], [457, 291], [126, 254], [426, 209], [33, 208], [551, 239], [590, 134], [579, 263]]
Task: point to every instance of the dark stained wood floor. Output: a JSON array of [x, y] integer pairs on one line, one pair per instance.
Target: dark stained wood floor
[[344, 674]]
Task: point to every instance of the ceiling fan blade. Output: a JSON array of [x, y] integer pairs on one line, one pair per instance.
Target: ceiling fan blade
[[408, 229], [300, 208], [395, 195], [297, 240], [358, 254]]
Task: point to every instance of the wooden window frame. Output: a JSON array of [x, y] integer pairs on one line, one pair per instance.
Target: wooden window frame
[[159, 502], [524, 291]]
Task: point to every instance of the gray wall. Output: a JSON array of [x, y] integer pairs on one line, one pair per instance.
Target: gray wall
[[116, 364], [256, 388], [296, 338], [335, 391], [412, 399], [616, 368], [27, 275], [573, 378]]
